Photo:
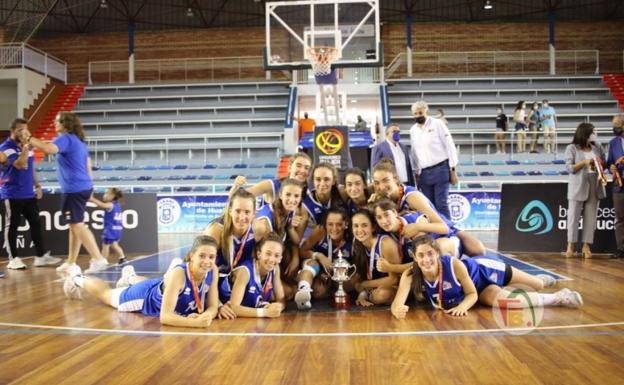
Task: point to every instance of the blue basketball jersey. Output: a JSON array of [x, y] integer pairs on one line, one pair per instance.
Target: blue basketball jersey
[[483, 271], [257, 293], [452, 290], [407, 191], [373, 256], [405, 243], [152, 292], [112, 222], [16, 183], [266, 212], [275, 186], [323, 248], [236, 255], [315, 209]]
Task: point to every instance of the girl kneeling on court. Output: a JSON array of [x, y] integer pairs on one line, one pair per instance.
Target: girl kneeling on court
[[288, 219], [257, 289], [186, 296], [455, 285], [374, 287], [318, 252]]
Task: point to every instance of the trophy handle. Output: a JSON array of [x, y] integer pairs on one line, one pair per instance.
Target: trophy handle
[[354, 270]]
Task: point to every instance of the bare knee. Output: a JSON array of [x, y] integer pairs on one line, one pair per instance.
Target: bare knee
[[382, 295]]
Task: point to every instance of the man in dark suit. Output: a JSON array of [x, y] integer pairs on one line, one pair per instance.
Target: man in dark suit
[[392, 149], [615, 163]]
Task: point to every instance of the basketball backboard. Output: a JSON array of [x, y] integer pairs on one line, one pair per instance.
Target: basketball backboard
[[349, 26]]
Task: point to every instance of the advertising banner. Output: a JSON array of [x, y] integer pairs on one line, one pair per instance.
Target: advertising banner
[[331, 144], [188, 213], [475, 210], [139, 235], [534, 218]]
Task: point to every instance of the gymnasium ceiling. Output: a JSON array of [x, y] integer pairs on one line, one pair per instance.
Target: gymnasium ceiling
[[22, 19]]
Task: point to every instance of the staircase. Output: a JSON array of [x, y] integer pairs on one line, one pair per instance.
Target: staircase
[[616, 84], [282, 169], [65, 102]]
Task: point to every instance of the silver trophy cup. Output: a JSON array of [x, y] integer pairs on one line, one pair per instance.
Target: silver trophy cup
[[340, 274]]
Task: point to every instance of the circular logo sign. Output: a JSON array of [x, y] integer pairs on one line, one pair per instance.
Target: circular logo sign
[[330, 141], [168, 211], [516, 309], [459, 207]]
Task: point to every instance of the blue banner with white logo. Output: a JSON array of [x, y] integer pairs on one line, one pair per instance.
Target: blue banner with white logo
[[475, 210], [188, 213], [534, 217]]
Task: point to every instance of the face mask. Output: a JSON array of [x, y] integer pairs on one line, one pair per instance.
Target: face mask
[[593, 138], [617, 131], [421, 119], [396, 136], [545, 105]]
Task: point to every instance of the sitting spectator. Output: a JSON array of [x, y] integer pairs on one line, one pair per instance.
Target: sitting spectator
[[360, 125]]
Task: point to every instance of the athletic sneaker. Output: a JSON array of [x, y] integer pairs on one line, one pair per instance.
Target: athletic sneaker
[[71, 290], [96, 265], [64, 268], [46, 260], [16, 264], [569, 298], [303, 298], [126, 273], [174, 262], [121, 261], [549, 280]]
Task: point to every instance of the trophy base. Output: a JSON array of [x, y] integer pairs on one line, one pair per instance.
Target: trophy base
[[341, 302]]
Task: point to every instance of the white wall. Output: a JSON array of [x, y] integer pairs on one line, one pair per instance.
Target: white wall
[[8, 102], [29, 86]]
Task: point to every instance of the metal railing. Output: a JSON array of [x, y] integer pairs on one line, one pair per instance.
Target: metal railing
[[576, 62], [25, 56], [353, 75], [187, 69]]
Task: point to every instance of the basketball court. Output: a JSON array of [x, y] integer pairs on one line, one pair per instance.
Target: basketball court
[[49, 339]]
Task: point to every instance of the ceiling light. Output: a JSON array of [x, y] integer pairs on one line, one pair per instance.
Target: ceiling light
[[488, 5], [189, 12], [103, 4]]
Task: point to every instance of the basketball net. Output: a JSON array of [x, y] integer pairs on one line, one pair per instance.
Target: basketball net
[[321, 58]]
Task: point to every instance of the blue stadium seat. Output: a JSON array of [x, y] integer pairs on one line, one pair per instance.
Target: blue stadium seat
[[144, 177], [164, 167], [564, 172], [252, 177], [183, 189], [200, 188], [128, 178], [482, 163], [174, 177], [534, 173], [139, 189], [222, 177], [180, 167], [543, 162], [210, 167], [164, 189], [150, 168], [241, 165], [528, 161], [502, 173], [220, 188], [195, 166], [558, 161], [512, 162], [486, 173], [465, 163], [93, 168], [107, 168], [551, 173], [121, 168], [98, 178], [267, 176], [205, 177], [518, 173], [190, 177], [470, 173], [159, 177], [474, 185], [497, 162], [113, 179], [270, 165]]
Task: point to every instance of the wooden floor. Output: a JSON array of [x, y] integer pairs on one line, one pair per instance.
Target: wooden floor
[[47, 339]]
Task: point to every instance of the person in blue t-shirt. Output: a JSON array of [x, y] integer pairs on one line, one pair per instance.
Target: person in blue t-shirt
[[548, 119], [186, 296], [111, 235], [455, 286], [20, 192], [74, 175]]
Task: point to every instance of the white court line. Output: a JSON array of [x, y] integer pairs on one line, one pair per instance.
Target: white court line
[[566, 278], [337, 334]]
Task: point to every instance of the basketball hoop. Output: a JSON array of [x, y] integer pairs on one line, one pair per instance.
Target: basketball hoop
[[321, 58]]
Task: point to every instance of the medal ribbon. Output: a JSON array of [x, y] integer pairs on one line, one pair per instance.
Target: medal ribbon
[[198, 302]]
